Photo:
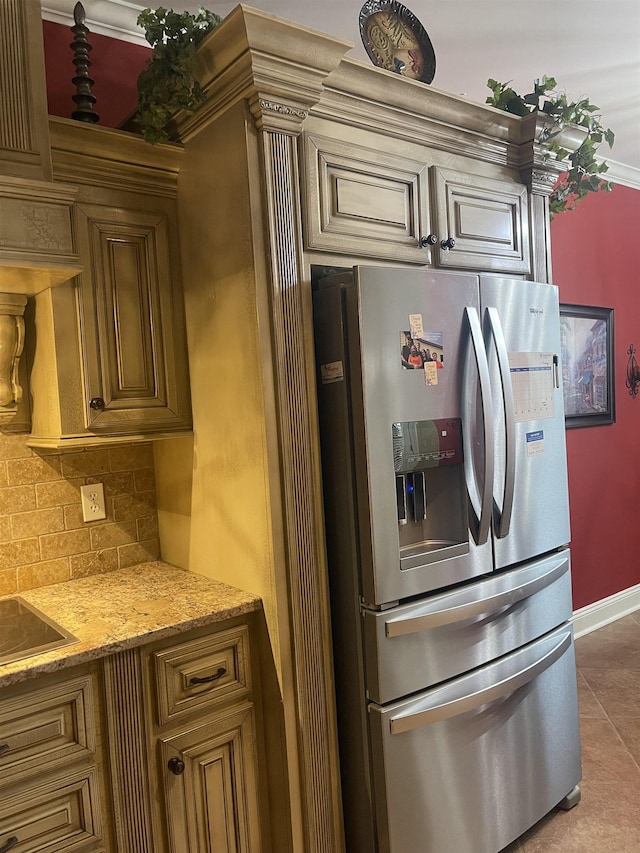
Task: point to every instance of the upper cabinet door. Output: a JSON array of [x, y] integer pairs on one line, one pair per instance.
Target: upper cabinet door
[[132, 335], [366, 203], [486, 220]]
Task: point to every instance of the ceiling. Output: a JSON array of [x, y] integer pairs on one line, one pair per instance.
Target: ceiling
[[591, 47]]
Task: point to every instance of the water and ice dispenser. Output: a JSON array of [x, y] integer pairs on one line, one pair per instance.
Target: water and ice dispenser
[[430, 490]]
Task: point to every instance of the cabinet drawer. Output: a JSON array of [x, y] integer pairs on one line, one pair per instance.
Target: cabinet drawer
[[488, 220], [364, 202], [61, 815], [207, 671], [41, 729]]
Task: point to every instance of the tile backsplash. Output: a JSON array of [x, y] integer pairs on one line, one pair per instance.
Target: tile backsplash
[[43, 539]]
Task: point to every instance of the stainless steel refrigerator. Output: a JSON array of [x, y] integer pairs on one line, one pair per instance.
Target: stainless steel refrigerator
[[447, 524]]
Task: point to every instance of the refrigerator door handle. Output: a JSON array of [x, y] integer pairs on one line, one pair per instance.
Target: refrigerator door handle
[[480, 524], [502, 518], [517, 591], [475, 698]]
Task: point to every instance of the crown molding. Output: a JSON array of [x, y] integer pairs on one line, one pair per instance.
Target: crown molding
[[117, 18], [619, 173]]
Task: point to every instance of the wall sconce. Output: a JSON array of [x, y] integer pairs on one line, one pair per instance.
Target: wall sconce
[[633, 372]]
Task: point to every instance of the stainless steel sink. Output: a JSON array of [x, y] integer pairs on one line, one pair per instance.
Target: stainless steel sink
[[25, 631]]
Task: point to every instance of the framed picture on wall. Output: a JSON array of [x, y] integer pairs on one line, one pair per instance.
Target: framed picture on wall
[[586, 335]]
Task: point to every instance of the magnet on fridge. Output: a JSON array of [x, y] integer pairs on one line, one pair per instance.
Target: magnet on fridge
[[430, 373], [415, 325]]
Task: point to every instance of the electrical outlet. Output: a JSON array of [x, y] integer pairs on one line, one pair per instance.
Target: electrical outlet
[[93, 507]]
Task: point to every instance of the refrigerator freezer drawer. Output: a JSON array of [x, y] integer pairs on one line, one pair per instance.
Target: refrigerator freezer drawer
[[502, 743], [417, 645]]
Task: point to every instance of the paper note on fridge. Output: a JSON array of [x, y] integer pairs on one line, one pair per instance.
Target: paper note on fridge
[[532, 383], [535, 442], [331, 372]]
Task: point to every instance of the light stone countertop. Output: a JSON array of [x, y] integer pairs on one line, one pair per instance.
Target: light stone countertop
[[126, 608]]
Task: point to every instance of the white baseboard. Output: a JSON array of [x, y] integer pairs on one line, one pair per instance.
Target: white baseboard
[[607, 610]]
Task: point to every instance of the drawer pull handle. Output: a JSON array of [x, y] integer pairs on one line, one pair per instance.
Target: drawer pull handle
[[175, 765], [11, 842], [206, 680], [4, 748]]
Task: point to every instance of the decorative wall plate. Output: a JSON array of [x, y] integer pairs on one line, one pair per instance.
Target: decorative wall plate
[[396, 40]]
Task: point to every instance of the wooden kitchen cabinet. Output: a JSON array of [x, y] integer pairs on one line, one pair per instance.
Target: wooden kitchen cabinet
[[204, 739], [210, 785], [182, 720], [135, 367], [176, 770], [167, 664], [107, 352], [373, 203], [365, 202], [52, 777], [487, 220]]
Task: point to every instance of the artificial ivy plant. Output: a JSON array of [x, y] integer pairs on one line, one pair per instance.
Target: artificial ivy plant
[[585, 173], [167, 84]]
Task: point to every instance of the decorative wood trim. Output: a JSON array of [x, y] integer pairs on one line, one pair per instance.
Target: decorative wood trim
[[279, 67], [15, 129], [540, 238], [362, 96], [277, 115], [68, 442], [24, 139], [291, 307], [283, 109], [11, 345], [128, 752], [36, 244], [539, 170], [101, 157]]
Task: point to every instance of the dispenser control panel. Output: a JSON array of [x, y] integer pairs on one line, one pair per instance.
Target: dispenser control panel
[[426, 444], [423, 451]]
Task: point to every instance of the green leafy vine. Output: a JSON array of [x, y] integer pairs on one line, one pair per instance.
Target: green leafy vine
[[167, 84], [585, 172]]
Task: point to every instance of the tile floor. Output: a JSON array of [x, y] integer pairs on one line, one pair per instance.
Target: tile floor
[[607, 820]]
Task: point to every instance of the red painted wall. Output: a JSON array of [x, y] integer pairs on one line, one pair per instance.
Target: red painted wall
[[115, 66], [596, 261]]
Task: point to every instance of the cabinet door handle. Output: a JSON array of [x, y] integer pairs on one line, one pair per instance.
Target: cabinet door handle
[[4, 748], [207, 678], [449, 243], [97, 404], [175, 765], [10, 842], [429, 240]]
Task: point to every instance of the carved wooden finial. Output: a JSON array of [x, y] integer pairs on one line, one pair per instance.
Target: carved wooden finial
[[83, 98]]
